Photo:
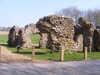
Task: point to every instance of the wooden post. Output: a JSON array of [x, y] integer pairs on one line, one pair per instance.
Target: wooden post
[[62, 54], [33, 53], [0, 52], [85, 53]]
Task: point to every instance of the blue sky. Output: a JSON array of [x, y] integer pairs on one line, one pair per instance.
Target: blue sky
[[22, 12]]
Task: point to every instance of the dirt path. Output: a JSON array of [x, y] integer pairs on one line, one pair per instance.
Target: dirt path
[[4, 33], [53, 68], [7, 56]]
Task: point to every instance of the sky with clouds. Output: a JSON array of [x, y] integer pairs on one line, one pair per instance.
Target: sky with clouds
[[22, 12]]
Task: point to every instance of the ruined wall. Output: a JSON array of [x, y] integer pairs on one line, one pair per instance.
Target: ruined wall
[[56, 32], [86, 28], [12, 36], [31, 29], [19, 36], [78, 37], [23, 39], [96, 40]]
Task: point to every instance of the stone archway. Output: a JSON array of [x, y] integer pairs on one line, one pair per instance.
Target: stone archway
[[85, 28], [56, 31]]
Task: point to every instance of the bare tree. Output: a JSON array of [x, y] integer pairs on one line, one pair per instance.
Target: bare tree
[[71, 12], [92, 15]]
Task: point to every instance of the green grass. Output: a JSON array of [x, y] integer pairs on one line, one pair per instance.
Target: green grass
[[35, 39], [3, 38], [44, 54]]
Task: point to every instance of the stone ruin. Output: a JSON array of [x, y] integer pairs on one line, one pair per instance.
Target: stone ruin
[[96, 40], [86, 28], [31, 29], [19, 36], [56, 32], [12, 36], [23, 39], [60, 32]]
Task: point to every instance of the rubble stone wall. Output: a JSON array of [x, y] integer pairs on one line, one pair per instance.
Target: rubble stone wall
[[19, 36], [96, 40], [12, 36], [57, 32], [31, 29], [86, 28]]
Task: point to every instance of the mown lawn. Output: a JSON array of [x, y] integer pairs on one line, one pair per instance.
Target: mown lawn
[[35, 39], [3, 38], [44, 54]]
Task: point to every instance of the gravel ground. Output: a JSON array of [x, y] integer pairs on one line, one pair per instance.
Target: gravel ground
[[52, 68]]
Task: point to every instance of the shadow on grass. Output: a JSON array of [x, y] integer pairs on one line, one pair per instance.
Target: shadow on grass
[[37, 47], [6, 45], [29, 53], [37, 53], [40, 53], [22, 51]]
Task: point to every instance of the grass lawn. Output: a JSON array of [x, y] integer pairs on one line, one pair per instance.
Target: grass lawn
[[44, 54], [3, 38], [35, 39]]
